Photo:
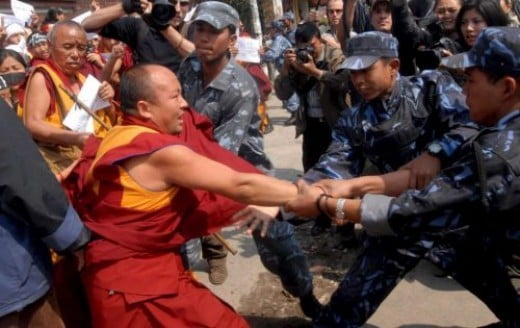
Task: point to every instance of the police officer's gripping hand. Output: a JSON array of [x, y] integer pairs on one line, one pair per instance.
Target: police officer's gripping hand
[[305, 204], [255, 217], [338, 188], [422, 170]]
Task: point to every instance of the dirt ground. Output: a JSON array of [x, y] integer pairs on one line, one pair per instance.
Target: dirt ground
[[269, 305]]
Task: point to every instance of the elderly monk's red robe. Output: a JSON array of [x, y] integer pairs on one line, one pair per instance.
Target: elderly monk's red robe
[[134, 276]]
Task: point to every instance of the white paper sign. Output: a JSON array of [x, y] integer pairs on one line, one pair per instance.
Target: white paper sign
[[78, 119], [80, 18], [10, 19], [22, 10], [248, 50]]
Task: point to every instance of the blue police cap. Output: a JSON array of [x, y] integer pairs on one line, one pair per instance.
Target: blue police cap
[[277, 25], [288, 15], [366, 48], [217, 14], [497, 49]]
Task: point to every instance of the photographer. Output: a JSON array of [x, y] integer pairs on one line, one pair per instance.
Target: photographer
[[423, 40], [512, 10], [441, 38], [309, 70], [151, 36]]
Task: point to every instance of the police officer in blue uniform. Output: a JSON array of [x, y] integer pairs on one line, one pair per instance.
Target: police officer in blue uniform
[[477, 193], [415, 122]]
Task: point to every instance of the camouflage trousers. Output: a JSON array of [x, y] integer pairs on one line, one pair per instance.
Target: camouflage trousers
[[478, 265], [281, 254]]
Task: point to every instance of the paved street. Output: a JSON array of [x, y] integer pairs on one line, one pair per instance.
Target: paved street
[[421, 300]]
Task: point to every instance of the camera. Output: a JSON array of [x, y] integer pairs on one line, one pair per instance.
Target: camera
[[431, 58], [303, 53], [162, 11]]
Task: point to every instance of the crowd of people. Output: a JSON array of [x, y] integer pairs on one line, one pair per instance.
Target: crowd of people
[[408, 112]]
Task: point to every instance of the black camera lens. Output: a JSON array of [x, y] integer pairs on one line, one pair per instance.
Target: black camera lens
[[303, 53], [162, 12]]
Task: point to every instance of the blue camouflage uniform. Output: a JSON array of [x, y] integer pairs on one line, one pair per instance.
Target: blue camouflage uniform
[[476, 193], [275, 54], [278, 46], [230, 100], [290, 33], [421, 110]]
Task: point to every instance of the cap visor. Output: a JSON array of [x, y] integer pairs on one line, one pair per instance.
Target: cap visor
[[458, 61], [208, 19], [358, 62]]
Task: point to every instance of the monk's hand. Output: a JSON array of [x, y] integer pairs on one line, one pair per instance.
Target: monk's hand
[[106, 92], [95, 59], [422, 170], [337, 188], [254, 217], [81, 138], [118, 50], [305, 203]]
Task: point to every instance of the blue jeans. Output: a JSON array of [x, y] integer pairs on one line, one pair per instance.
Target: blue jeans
[[281, 254]]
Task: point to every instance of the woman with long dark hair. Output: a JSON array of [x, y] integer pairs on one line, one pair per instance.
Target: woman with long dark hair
[[476, 15]]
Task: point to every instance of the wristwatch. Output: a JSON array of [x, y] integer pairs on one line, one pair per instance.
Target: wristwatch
[[435, 149]]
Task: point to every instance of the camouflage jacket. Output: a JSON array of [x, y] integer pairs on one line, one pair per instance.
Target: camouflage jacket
[[276, 49], [231, 102], [426, 108], [479, 189]]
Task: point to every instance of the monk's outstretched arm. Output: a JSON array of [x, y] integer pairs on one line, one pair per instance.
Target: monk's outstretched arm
[[181, 166]]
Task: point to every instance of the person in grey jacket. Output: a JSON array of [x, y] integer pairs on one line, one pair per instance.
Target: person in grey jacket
[[35, 216]]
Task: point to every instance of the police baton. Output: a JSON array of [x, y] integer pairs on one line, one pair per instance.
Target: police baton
[[223, 241]]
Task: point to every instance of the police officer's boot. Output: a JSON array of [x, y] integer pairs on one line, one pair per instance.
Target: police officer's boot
[[310, 306], [217, 271]]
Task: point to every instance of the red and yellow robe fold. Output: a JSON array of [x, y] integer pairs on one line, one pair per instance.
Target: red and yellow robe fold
[[139, 232]]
